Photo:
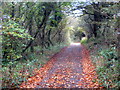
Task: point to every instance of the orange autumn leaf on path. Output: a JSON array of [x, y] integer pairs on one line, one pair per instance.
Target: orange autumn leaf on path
[[70, 68]]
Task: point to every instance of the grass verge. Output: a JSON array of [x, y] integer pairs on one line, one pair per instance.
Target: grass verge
[[14, 73], [105, 59]]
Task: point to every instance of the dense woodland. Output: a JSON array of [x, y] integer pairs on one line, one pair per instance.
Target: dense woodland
[[32, 32]]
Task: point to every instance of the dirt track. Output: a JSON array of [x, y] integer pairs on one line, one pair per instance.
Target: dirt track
[[70, 68]]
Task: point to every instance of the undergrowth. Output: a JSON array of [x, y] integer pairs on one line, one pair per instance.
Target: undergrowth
[[16, 72], [105, 58]]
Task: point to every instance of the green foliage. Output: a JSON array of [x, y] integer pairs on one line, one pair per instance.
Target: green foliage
[[27, 18], [21, 70], [108, 67], [14, 37], [84, 40], [109, 54]]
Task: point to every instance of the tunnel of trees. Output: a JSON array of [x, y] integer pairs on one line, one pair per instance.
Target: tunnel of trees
[[34, 30]]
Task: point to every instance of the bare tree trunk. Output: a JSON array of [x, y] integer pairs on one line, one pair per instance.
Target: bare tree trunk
[[49, 37], [118, 37], [13, 13], [45, 18], [96, 18]]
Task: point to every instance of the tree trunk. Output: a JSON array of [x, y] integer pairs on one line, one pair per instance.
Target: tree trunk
[[45, 18], [96, 19], [12, 13], [118, 36], [30, 31], [49, 38]]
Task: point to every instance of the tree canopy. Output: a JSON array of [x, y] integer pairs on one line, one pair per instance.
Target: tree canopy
[[37, 28]]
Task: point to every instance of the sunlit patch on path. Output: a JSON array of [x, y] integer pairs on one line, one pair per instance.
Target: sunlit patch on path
[[75, 44], [70, 68]]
